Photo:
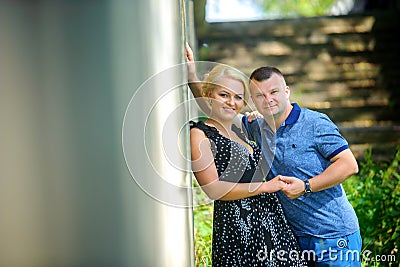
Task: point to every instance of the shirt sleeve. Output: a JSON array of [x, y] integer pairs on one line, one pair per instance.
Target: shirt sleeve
[[329, 141]]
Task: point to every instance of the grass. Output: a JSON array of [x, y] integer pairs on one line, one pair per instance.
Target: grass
[[203, 217]]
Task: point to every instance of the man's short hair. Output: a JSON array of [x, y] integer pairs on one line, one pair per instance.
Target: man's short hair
[[264, 73]]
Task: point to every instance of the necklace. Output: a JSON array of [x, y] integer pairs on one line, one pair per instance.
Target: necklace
[[229, 134], [220, 128]]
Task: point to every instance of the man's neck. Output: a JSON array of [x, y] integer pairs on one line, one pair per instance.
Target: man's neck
[[279, 120]]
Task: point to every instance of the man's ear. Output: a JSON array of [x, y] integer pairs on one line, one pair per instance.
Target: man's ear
[[287, 91]]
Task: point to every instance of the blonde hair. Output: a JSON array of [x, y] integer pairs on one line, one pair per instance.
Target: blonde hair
[[214, 76]]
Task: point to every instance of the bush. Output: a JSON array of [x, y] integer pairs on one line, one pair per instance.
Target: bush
[[203, 215], [375, 195]]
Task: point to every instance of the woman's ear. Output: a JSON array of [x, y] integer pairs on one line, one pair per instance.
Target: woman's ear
[[209, 96]]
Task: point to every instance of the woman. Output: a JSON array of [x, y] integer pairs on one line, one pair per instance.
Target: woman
[[249, 228]]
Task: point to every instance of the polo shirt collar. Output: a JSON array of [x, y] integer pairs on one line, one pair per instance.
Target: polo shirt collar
[[294, 114]]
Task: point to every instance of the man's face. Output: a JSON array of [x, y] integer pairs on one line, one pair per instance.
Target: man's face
[[271, 97]]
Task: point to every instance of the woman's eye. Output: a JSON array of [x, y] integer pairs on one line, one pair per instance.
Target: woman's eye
[[238, 97]]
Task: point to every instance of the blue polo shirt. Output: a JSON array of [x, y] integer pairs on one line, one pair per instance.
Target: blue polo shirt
[[302, 147]]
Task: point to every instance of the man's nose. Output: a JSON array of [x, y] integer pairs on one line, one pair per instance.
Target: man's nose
[[267, 98]]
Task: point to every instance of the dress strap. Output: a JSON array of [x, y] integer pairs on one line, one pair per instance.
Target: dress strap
[[240, 133], [211, 132]]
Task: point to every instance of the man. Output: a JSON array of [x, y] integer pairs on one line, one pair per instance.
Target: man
[[307, 150], [314, 159]]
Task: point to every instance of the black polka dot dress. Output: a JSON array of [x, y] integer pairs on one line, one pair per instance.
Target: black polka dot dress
[[250, 231]]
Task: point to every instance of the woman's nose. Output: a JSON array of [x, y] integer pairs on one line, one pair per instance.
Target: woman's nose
[[230, 100]]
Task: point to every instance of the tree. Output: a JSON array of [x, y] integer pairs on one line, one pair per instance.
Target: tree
[[296, 8]]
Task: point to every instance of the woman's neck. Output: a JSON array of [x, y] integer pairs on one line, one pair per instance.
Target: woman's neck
[[222, 126]]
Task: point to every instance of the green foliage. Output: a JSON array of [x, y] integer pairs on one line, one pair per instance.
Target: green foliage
[[203, 214], [203, 234], [296, 8], [375, 195]]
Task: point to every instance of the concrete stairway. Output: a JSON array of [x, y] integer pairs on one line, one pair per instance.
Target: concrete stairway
[[347, 67]]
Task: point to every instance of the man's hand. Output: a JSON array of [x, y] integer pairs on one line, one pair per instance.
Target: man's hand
[[253, 115], [295, 187]]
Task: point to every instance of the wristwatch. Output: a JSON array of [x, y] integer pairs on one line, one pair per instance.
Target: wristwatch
[[307, 187]]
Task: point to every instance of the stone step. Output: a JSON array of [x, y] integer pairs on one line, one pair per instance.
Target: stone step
[[319, 100], [356, 111], [375, 134], [380, 152], [383, 137]]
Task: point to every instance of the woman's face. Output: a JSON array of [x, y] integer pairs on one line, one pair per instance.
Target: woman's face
[[227, 99]]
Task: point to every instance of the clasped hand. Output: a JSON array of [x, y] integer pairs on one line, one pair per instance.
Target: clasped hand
[[294, 186]]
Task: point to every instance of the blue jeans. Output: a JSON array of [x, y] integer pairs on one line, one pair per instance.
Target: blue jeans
[[335, 252]]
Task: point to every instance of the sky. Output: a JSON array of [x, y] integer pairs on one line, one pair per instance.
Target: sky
[[231, 10], [237, 10]]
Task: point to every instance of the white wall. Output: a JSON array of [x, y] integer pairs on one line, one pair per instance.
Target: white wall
[[68, 70]]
